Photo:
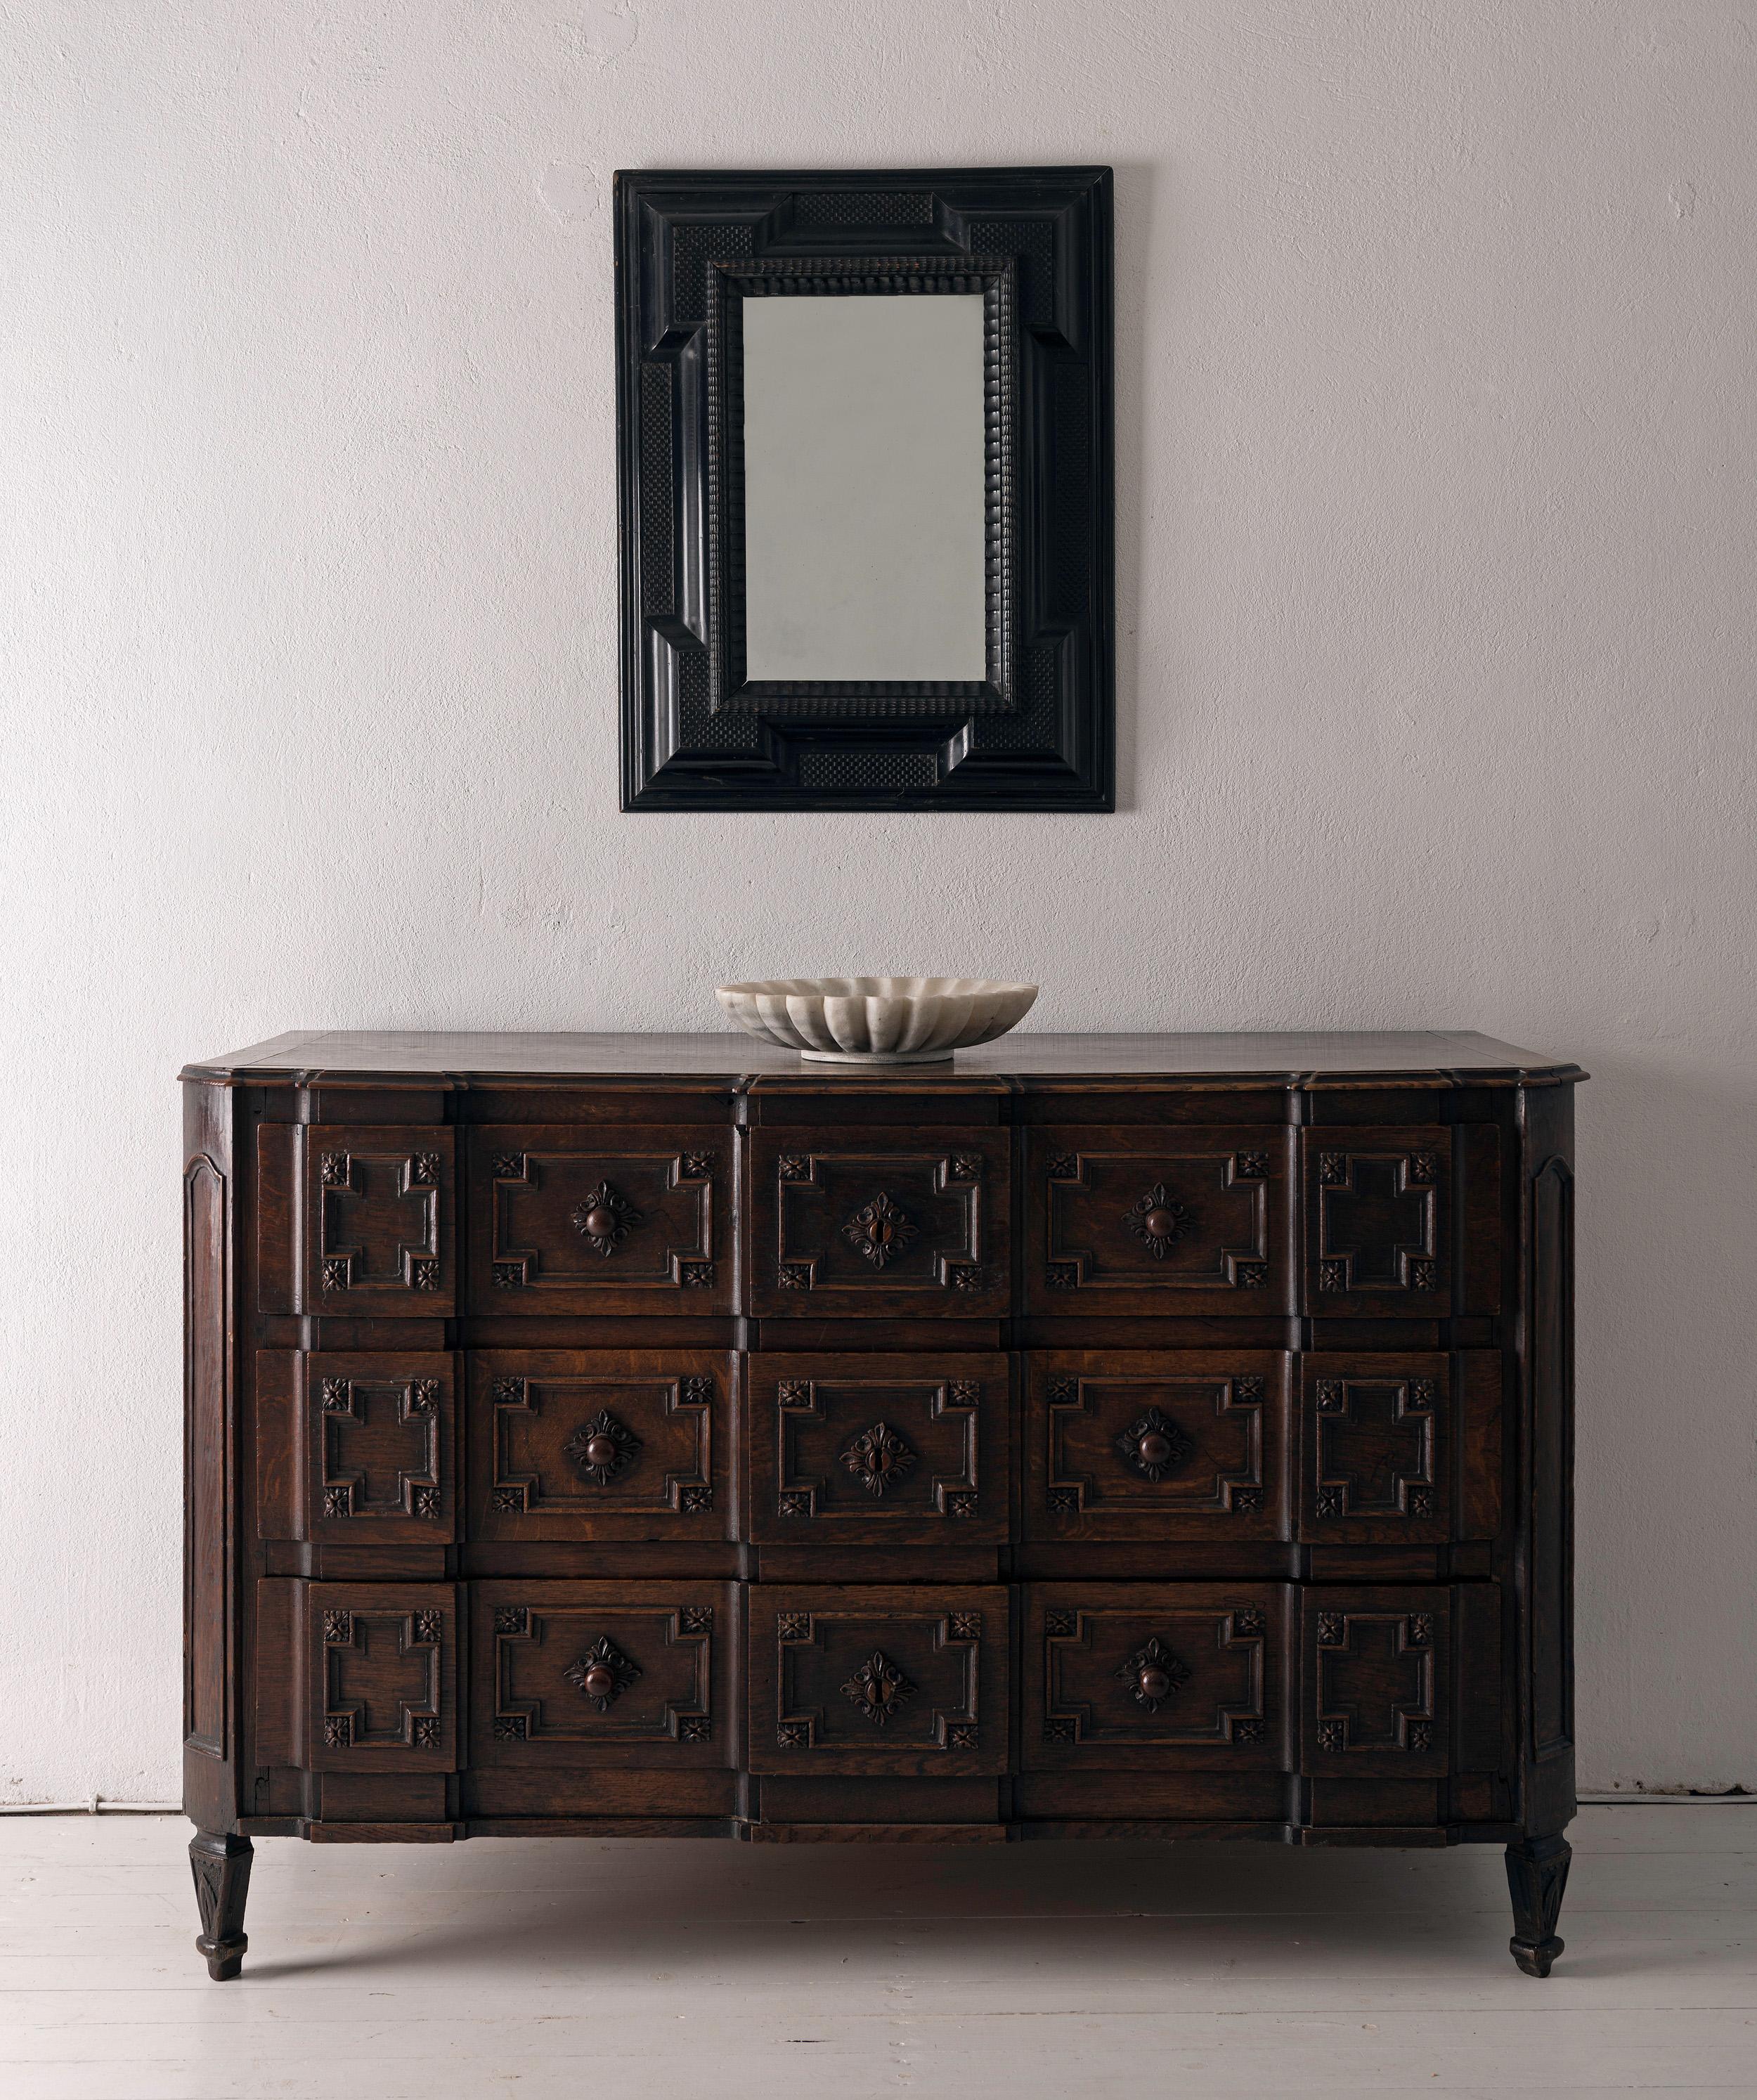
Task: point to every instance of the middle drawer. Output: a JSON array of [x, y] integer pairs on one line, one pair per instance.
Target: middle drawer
[[878, 1451], [600, 1444]]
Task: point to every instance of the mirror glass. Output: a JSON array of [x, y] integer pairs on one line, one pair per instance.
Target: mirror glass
[[864, 490]]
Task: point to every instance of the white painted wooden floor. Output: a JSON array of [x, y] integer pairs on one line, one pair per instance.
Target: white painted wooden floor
[[703, 1970]]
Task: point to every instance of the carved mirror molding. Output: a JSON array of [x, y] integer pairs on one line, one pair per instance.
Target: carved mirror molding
[[1035, 730]]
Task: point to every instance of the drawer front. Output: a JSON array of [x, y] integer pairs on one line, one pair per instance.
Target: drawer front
[[357, 1448], [1400, 1449], [1156, 1676], [908, 1450], [1378, 1222], [880, 1222], [380, 1217], [575, 1219], [1375, 1670], [358, 1677], [1180, 1445], [571, 1444], [1143, 1220], [605, 1673], [907, 1679]]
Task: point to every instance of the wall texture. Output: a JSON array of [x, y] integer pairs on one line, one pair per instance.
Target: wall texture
[[1436, 509]]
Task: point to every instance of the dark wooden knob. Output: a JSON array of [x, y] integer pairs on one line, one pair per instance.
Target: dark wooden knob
[[1154, 1448], [599, 1681], [1155, 1682], [600, 1222], [601, 1449], [1159, 1224]]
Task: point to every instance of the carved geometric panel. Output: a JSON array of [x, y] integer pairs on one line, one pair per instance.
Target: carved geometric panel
[[1377, 1213], [380, 1666], [898, 1680], [1143, 1220], [575, 1220], [1377, 1665], [1154, 1677], [379, 1207], [1179, 1444], [897, 1450], [1378, 1442], [576, 1445], [377, 1438], [626, 1674], [874, 1220]]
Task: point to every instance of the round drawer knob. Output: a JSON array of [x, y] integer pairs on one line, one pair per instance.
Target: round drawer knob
[[601, 1449], [1155, 1682], [599, 1222], [599, 1681], [1159, 1224], [1154, 1448]]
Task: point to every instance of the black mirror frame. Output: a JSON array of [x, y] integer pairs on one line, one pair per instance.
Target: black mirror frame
[[1038, 732]]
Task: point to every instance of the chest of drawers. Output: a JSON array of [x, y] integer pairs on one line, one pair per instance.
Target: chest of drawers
[[1128, 1436]]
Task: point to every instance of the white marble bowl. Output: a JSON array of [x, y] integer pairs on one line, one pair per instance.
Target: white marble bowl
[[877, 1021]]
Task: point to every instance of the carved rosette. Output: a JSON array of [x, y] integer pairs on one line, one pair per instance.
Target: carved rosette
[[1153, 1445], [1158, 1221], [1154, 1674], [879, 1458], [879, 1688], [605, 1219], [603, 1673], [602, 1447], [880, 1230]]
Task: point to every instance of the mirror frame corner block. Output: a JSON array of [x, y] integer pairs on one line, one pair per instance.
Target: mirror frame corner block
[[1037, 731]]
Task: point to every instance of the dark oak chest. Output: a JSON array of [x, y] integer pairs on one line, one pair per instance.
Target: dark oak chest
[[1126, 1437]]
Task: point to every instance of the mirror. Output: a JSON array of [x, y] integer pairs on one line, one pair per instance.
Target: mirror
[[864, 520], [864, 457]]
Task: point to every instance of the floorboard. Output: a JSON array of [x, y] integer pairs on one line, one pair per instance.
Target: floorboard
[[759, 1973]]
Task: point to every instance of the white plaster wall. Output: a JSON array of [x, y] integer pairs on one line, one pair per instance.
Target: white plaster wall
[[1435, 508]]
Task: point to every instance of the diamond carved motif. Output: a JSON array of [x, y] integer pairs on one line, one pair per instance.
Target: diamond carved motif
[[879, 1688], [605, 1219], [880, 1230], [602, 1447], [603, 1673], [879, 1458], [1158, 1221], [1153, 1445], [1154, 1674]]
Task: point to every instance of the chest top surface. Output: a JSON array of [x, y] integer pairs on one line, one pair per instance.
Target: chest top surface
[[1291, 1058]]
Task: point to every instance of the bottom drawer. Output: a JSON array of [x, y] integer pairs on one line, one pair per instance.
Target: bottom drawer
[[601, 1674], [1375, 1684], [894, 1680], [357, 1677], [1156, 1677]]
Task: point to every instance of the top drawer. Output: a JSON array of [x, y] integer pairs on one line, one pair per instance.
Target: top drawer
[[575, 1218], [1378, 1222], [884, 1222], [1140, 1220]]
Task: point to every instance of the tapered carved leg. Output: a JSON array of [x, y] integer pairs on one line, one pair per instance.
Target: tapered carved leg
[[221, 1870], [1537, 1874]]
